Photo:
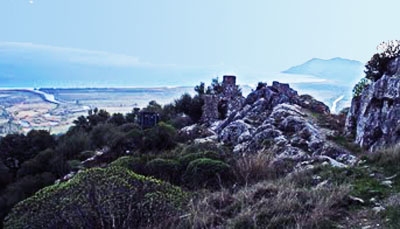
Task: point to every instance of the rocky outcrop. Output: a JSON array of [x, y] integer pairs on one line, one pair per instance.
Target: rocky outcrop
[[275, 119], [374, 117]]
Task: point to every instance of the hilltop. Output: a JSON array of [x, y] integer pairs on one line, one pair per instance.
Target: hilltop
[[215, 159], [243, 152]]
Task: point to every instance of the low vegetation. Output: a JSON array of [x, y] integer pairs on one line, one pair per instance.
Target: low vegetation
[[108, 171]]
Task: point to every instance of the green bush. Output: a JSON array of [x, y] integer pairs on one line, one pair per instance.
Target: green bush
[[105, 135], [100, 198], [21, 189], [159, 137], [135, 164], [360, 87], [38, 164], [71, 145], [185, 159], [164, 169], [205, 172]]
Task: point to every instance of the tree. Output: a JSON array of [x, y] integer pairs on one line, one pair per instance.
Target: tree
[[117, 119], [376, 67], [200, 89]]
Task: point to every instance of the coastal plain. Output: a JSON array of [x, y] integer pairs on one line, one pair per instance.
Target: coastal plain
[[22, 110]]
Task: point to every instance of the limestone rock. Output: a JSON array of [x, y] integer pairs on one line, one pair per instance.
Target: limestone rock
[[374, 117], [275, 119]]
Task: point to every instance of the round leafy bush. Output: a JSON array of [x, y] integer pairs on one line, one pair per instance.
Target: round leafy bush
[[165, 169], [100, 198], [135, 164], [185, 159], [205, 172]]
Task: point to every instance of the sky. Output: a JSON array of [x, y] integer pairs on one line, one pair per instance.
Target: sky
[[248, 38]]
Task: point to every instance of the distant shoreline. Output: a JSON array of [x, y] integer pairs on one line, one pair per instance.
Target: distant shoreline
[[46, 97]]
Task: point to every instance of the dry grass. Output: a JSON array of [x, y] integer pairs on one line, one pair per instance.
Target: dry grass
[[270, 204], [386, 156], [250, 169]]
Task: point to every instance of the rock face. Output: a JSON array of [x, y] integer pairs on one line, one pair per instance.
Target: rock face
[[374, 117], [275, 119]]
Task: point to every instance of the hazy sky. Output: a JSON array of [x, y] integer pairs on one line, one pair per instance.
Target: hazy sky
[[243, 37]]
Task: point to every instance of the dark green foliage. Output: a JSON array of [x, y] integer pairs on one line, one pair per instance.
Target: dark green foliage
[[200, 89], [100, 198], [128, 127], [135, 164], [216, 87], [159, 137], [117, 119], [40, 140], [376, 67], [185, 159], [192, 107], [39, 164], [5, 175], [70, 145], [153, 106], [17, 148], [205, 172], [97, 117], [164, 169], [22, 189], [105, 135], [360, 87]]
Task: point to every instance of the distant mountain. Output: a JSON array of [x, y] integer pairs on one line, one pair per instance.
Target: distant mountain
[[339, 70], [339, 76]]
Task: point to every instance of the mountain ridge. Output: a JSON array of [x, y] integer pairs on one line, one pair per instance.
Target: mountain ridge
[[336, 69]]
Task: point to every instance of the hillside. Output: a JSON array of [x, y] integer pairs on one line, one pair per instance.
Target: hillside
[[215, 163]]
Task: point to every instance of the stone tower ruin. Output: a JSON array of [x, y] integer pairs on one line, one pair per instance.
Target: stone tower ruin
[[230, 99]]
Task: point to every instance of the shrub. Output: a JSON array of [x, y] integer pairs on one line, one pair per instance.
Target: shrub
[[38, 164], [117, 119], [159, 137], [205, 172], [204, 147], [135, 164], [22, 189], [105, 135], [100, 198], [254, 168], [360, 87], [70, 146], [185, 159], [376, 67], [164, 169]]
